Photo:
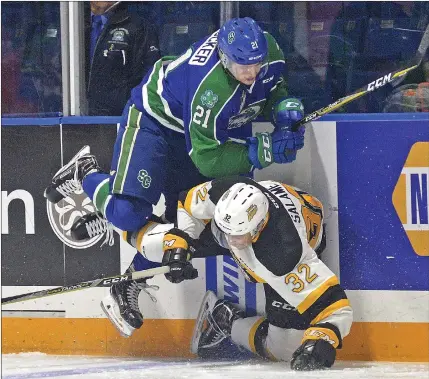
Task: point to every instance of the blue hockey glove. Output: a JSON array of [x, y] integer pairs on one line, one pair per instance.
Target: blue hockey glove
[[260, 150], [286, 112], [285, 145], [279, 147]]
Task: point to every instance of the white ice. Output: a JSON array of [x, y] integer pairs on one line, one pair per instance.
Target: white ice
[[37, 365]]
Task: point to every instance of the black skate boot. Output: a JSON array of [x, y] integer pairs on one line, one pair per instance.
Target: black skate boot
[[214, 322], [92, 225], [68, 178], [121, 306]]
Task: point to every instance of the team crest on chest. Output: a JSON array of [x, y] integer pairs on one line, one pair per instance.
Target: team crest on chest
[[209, 99], [119, 34], [244, 117]]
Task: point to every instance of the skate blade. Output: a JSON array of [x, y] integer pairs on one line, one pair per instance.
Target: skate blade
[[199, 322], [119, 324], [85, 150]]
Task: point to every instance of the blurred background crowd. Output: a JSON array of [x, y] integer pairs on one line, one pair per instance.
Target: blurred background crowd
[[331, 48]]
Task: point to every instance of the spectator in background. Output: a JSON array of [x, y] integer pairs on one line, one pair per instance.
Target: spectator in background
[[121, 48], [411, 94], [370, 39], [40, 78]]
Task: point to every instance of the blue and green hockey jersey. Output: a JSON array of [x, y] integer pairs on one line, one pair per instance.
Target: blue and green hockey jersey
[[193, 94]]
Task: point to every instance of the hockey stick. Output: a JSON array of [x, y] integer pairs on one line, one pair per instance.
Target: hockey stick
[[376, 84], [102, 282]]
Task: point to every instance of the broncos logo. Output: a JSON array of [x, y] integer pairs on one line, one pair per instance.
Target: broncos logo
[[251, 211]]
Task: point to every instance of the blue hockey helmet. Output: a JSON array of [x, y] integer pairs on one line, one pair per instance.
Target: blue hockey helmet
[[242, 41]]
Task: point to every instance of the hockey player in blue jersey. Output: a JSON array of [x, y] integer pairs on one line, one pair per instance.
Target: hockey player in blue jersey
[[188, 120]]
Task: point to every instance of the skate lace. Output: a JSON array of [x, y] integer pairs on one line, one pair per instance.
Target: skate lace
[[71, 185], [68, 187], [99, 226], [219, 332], [133, 292], [145, 287]]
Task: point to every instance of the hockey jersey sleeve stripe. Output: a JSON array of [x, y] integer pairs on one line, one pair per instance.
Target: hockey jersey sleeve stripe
[[152, 101], [330, 296], [317, 333], [316, 294], [330, 310], [178, 61], [167, 110], [127, 146]]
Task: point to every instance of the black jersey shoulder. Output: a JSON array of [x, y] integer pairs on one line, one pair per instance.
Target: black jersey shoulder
[[279, 247]]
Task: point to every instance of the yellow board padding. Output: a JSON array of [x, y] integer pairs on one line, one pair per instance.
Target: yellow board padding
[[319, 291], [386, 341], [96, 336], [418, 155], [367, 341], [399, 198]]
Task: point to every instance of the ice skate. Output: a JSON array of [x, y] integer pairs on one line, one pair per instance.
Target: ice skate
[[68, 178], [121, 306], [92, 225], [214, 322]]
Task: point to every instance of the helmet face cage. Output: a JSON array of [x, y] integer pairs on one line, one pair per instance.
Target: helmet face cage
[[242, 209], [242, 42]]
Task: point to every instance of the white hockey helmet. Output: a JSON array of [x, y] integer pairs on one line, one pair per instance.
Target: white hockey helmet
[[242, 209]]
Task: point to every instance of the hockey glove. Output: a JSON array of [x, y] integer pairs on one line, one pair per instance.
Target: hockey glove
[[260, 150], [313, 355], [286, 112], [286, 144], [178, 250], [318, 348]]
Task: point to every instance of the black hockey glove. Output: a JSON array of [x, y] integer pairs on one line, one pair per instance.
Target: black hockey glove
[[178, 251], [313, 355]]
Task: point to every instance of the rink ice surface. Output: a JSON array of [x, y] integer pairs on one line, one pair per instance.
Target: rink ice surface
[[38, 365]]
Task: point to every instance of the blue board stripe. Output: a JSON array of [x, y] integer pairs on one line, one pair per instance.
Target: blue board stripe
[[211, 274]]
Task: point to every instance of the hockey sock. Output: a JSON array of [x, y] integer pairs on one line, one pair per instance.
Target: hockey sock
[[96, 186], [249, 333]]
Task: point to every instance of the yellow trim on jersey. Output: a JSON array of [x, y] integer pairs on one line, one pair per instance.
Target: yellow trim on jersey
[[171, 241], [180, 205], [124, 235], [326, 334], [141, 234], [252, 333], [188, 200], [319, 291], [331, 309], [253, 275]]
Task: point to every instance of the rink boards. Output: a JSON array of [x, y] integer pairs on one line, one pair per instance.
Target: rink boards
[[371, 173]]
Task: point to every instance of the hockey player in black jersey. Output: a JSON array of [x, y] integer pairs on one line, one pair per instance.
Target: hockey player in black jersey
[[273, 231]]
